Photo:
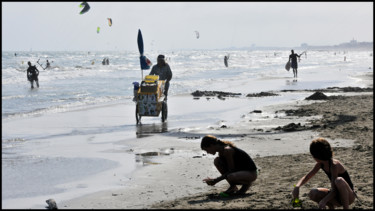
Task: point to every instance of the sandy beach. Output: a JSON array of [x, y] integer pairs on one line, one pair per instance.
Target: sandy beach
[[172, 172], [279, 173]]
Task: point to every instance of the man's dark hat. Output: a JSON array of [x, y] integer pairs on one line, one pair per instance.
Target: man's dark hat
[[161, 56]]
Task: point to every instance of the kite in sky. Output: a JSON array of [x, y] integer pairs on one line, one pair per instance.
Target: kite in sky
[[85, 6], [197, 34], [97, 30], [109, 21]]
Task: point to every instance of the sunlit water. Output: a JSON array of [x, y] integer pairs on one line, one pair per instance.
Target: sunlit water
[[74, 82]]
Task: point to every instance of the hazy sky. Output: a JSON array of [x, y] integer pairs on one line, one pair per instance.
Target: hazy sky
[[171, 25]]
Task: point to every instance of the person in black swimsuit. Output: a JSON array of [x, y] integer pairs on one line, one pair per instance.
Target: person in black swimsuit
[[294, 65], [235, 165], [342, 189], [32, 75]]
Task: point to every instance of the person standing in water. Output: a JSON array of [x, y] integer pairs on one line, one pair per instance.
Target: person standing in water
[[234, 164], [294, 65], [226, 60], [32, 75], [48, 65]]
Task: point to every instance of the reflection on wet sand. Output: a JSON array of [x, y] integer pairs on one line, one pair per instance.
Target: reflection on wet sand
[[145, 130], [146, 158], [291, 82]]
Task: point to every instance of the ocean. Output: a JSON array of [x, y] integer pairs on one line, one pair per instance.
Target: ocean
[[74, 82], [37, 123]]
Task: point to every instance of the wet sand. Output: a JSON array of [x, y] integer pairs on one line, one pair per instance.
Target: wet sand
[[171, 177]]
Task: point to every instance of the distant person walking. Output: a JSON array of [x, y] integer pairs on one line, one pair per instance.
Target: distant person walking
[[294, 65], [234, 164], [32, 75]]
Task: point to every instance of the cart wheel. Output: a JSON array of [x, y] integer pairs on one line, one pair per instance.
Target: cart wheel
[[164, 111], [137, 116]]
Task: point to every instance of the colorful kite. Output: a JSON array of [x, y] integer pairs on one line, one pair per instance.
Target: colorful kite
[[85, 6]]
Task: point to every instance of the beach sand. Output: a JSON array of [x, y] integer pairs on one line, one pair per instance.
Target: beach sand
[[279, 173], [171, 177]]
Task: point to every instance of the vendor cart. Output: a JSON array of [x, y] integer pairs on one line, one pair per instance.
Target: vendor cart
[[149, 99]]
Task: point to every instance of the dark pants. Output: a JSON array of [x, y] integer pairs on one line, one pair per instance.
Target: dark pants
[[33, 78], [166, 87]]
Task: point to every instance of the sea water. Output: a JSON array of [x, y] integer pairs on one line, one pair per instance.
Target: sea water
[[73, 81], [39, 122]]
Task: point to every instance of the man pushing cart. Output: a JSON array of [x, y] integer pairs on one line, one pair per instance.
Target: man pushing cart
[[151, 94]]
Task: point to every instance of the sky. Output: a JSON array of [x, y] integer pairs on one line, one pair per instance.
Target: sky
[[58, 26]]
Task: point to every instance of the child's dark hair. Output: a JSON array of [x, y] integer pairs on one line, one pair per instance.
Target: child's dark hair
[[209, 140], [321, 149]]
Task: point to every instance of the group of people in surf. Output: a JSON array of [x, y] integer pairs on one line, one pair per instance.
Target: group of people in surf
[[238, 168], [105, 61], [161, 68]]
